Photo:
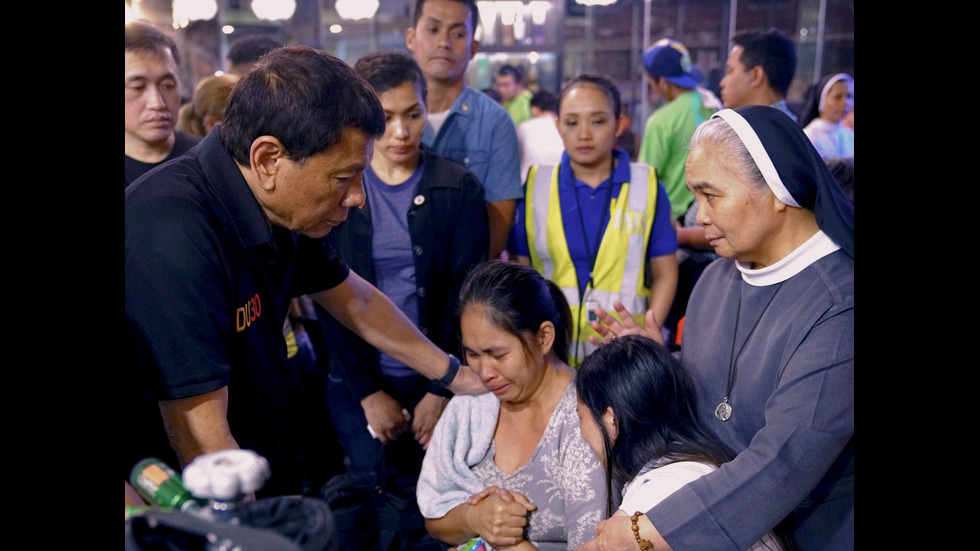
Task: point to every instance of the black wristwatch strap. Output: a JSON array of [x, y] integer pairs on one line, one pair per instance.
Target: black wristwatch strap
[[443, 382]]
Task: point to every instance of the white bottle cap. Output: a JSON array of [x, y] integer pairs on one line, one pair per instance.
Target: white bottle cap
[[226, 475]]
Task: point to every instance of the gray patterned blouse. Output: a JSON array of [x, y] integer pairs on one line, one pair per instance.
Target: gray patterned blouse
[[563, 478]]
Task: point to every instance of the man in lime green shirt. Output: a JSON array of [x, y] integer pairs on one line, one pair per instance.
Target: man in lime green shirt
[[670, 73], [514, 95], [666, 138]]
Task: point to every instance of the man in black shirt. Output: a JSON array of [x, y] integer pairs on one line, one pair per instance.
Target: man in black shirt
[[219, 241], [152, 100]]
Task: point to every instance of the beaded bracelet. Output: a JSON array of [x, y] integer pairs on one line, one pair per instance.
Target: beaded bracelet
[[645, 545]]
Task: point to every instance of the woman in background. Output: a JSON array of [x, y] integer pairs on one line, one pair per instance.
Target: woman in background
[[826, 104], [597, 225], [207, 107]]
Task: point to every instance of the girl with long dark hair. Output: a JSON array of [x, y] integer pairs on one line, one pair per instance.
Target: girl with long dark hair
[[638, 410]]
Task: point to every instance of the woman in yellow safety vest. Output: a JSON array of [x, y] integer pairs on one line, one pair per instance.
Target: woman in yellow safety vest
[[596, 224]]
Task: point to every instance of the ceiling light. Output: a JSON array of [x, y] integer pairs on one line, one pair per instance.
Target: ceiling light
[[356, 9], [272, 10]]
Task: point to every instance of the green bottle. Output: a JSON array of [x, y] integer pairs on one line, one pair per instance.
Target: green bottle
[[161, 486]]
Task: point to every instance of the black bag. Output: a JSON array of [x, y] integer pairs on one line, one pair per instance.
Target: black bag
[[286, 523], [368, 517]]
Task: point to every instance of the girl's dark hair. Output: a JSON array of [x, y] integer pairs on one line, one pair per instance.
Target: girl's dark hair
[[304, 97], [517, 299], [604, 84], [655, 405], [387, 69]]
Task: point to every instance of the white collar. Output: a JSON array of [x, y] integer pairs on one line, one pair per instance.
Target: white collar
[[815, 248]]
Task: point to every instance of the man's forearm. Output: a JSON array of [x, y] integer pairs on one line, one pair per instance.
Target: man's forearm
[[500, 215], [366, 311], [198, 424]]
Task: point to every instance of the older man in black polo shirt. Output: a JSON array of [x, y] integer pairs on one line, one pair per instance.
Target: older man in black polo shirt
[[218, 242]]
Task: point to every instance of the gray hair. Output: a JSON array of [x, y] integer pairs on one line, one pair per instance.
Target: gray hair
[[737, 158]]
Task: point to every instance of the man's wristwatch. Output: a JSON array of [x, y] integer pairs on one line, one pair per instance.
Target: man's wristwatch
[[442, 384]]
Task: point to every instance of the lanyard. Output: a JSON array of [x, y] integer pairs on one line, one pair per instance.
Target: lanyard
[[593, 253]]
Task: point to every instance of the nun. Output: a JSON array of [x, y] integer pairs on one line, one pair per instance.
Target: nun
[[769, 339], [821, 116]]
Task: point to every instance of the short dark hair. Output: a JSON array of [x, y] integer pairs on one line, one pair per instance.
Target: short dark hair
[[471, 4], [251, 47], [142, 36], [305, 98], [545, 100], [387, 69], [603, 83], [513, 71], [773, 51], [493, 93], [518, 299]]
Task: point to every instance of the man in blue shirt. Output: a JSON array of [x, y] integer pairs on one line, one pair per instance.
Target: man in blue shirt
[[759, 70], [464, 124]]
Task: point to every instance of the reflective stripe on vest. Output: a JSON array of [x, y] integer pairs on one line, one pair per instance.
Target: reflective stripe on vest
[[620, 265]]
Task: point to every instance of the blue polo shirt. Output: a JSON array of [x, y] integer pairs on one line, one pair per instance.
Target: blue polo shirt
[[207, 288], [595, 209], [480, 135]]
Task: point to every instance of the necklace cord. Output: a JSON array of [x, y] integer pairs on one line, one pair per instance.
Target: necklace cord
[[733, 367]]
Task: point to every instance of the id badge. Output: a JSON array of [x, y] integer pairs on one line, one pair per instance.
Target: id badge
[[590, 306]]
